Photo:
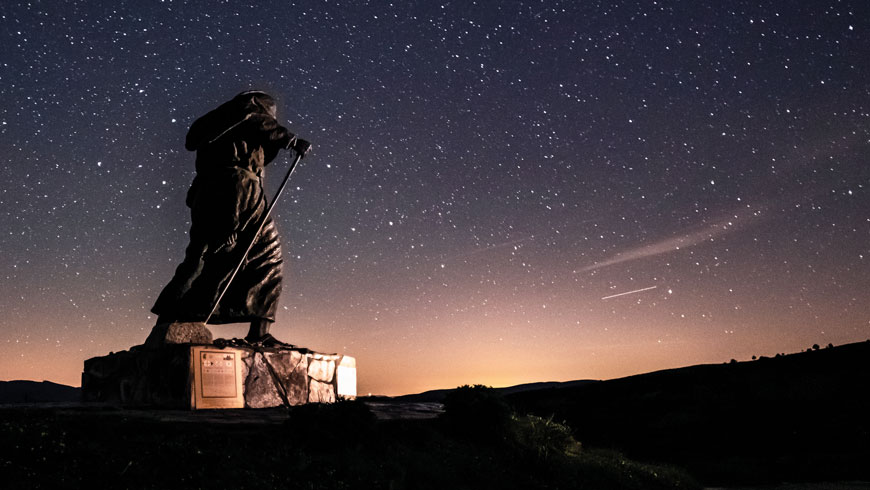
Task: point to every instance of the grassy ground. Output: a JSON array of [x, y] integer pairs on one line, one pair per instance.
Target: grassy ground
[[321, 446]]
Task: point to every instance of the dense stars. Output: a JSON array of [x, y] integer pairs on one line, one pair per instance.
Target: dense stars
[[488, 179]]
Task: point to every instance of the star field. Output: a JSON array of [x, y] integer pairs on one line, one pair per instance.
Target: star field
[[487, 179]]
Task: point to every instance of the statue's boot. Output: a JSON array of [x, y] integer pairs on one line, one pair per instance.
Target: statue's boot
[[259, 334]]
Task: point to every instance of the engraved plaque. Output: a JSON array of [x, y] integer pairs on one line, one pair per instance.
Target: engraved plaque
[[216, 380], [218, 374]]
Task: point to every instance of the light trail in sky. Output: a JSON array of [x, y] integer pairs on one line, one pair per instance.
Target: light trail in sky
[[629, 292], [690, 238]]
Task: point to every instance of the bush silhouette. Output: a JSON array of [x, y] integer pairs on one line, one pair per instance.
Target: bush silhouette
[[478, 412], [544, 437]]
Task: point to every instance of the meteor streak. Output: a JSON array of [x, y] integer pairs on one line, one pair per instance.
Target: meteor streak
[[689, 238], [629, 292]]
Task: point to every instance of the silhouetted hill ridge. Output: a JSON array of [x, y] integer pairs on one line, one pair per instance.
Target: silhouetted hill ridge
[[799, 416], [37, 392], [438, 395]]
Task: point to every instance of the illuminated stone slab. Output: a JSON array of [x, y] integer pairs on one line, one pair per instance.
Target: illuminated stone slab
[[203, 376]]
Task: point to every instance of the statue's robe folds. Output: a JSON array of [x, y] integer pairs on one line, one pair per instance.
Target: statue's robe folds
[[227, 203]]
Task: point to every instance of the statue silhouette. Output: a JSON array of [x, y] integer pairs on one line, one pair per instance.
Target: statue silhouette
[[233, 143]]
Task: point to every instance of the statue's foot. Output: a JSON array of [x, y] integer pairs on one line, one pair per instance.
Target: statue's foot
[[269, 341]]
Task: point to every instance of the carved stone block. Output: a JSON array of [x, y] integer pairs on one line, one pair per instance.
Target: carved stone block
[[321, 368], [261, 387], [179, 333]]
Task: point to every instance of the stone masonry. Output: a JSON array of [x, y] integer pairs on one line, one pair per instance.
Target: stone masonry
[[270, 377]]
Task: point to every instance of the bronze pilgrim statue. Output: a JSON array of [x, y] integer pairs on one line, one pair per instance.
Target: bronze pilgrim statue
[[233, 143]]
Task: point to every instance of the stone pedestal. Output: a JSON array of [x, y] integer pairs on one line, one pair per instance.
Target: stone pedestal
[[196, 376]]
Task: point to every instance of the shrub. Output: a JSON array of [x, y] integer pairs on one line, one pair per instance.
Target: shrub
[[478, 412], [544, 437]]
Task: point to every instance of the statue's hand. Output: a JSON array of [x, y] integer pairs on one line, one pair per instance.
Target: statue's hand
[[287, 140], [302, 147]]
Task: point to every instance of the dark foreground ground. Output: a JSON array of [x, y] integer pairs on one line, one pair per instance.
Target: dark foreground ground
[[801, 417], [330, 446]]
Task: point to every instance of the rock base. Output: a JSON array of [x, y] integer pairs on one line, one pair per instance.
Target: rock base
[[178, 333], [196, 376]]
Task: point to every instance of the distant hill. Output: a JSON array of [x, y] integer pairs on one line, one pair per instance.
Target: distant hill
[[438, 395], [37, 392], [797, 417]]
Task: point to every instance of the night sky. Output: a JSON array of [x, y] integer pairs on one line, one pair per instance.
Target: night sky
[[487, 180]]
